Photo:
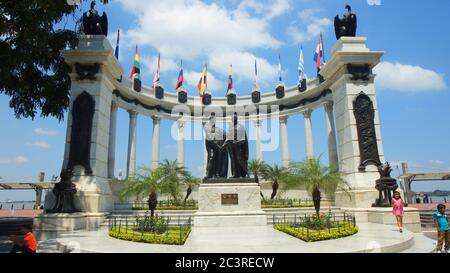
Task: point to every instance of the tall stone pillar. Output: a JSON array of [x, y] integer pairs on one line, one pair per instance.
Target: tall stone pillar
[[112, 141], [284, 142], [180, 142], [94, 72], [131, 161], [156, 142], [308, 134], [259, 154], [331, 134], [357, 120]]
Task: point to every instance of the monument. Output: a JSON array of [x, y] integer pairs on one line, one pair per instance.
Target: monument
[[227, 201], [386, 185], [346, 26]]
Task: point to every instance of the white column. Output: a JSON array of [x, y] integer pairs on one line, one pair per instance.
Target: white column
[[131, 161], [180, 142], [308, 134], [156, 141], [331, 133], [112, 140], [259, 154], [284, 142]]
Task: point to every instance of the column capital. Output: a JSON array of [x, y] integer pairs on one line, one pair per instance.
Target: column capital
[[307, 113], [181, 123], [284, 119], [114, 106], [156, 119], [328, 106], [133, 113]]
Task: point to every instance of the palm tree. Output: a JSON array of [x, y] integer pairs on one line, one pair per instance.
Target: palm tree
[[276, 175], [190, 181], [256, 167], [141, 184], [172, 178], [316, 178]]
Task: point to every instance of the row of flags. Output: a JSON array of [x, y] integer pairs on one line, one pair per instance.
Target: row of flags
[[202, 85]]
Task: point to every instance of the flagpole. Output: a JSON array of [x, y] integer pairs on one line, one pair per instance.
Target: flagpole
[[323, 48]]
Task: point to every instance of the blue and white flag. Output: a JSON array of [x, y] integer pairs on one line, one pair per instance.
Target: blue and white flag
[[116, 53], [301, 67]]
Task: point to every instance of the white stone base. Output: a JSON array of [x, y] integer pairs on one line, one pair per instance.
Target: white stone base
[[212, 213], [68, 222], [411, 218], [360, 198]]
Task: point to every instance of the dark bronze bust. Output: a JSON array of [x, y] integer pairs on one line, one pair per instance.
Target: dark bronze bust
[[346, 26], [93, 24], [386, 185]]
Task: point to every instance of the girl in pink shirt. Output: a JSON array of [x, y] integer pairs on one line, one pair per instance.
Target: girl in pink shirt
[[397, 209]]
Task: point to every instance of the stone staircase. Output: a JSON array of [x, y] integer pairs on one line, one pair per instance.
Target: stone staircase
[[426, 219]]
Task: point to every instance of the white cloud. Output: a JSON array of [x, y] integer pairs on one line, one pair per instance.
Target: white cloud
[[436, 162], [314, 26], [243, 65], [39, 144], [401, 77], [204, 32], [17, 160], [45, 132]]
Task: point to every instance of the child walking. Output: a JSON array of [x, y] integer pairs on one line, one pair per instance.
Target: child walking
[[397, 209], [441, 222]]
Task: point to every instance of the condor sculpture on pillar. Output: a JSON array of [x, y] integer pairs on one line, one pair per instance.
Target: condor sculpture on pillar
[[347, 25], [93, 24]]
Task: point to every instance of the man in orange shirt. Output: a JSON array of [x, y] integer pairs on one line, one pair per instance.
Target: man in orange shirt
[[28, 243]]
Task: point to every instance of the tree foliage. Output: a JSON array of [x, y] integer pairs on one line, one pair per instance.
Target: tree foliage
[[32, 71]]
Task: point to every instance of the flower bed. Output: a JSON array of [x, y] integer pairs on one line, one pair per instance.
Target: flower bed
[[174, 235], [339, 230]]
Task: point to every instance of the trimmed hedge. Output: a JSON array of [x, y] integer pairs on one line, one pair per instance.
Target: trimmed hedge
[[167, 208], [345, 229], [285, 206], [171, 238]]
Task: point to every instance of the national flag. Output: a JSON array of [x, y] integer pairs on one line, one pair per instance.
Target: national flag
[[255, 82], [137, 65], [156, 79], [279, 68], [116, 52], [318, 55], [230, 79], [203, 83], [180, 77], [301, 67]]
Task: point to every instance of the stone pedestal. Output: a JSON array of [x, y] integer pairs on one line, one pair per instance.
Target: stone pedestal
[[229, 204], [57, 222]]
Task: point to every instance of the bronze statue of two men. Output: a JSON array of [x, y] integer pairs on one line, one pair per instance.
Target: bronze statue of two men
[[220, 145]]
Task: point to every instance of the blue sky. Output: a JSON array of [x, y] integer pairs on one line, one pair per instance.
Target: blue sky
[[412, 82]]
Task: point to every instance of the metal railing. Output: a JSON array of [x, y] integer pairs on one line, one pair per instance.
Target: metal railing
[[138, 225], [306, 222], [286, 201], [189, 204]]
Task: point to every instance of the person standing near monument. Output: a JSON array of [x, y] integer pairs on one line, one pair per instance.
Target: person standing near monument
[[397, 209], [441, 222]]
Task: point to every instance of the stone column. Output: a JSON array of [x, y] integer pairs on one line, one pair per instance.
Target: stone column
[[308, 134], [156, 141], [205, 153], [180, 142], [259, 154], [347, 84], [112, 140], [284, 142], [331, 134], [131, 162]]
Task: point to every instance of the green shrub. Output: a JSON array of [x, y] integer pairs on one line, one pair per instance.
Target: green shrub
[[171, 237], [312, 235], [168, 208]]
